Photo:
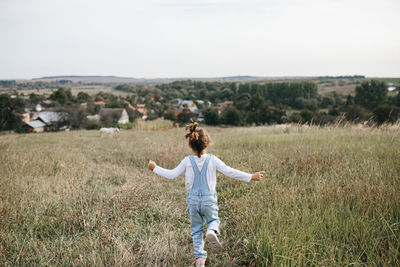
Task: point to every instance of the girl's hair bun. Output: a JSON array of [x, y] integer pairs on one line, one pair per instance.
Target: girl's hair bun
[[192, 135], [198, 138]]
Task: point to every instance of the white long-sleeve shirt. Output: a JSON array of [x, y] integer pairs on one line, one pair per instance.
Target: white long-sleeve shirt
[[213, 165]]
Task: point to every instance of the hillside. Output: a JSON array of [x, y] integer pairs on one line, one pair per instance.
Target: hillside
[[330, 197], [116, 79], [326, 84]]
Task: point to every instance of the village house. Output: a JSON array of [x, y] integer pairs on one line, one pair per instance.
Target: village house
[[36, 126], [189, 104], [50, 117], [176, 103], [186, 104], [44, 121], [391, 87], [203, 103]]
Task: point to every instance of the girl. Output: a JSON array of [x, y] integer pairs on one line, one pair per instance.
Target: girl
[[200, 179]]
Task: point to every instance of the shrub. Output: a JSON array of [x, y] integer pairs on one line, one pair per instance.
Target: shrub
[[312, 104], [306, 115], [386, 113], [371, 94], [93, 125], [272, 115], [356, 113], [185, 116], [211, 117], [300, 102], [76, 118], [295, 117], [127, 126], [170, 115], [334, 112], [231, 116], [10, 108], [327, 101]]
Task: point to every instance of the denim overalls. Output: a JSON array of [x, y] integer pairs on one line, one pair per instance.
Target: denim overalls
[[202, 202]]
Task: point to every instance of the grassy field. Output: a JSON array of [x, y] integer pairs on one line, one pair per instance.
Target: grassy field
[[330, 197]]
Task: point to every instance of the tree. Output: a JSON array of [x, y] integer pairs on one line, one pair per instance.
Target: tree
[[7, 83], [83, 97], [62, 96], [185, 116], [231, 116], [295, 117], [133, 114], [386, 113], [306, 115], [327, 101], [169, 114], [101, 96], [370, 94], [10, 110], [356, 113], [92, 109], [272, 115], [211, 116], [35, 99], [76, 118], [397, 98], [349, 100], [311, 104]]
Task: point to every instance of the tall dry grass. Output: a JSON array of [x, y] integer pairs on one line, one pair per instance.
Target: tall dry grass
[[331, 197]]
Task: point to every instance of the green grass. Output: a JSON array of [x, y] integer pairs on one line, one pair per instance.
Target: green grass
[[330, 197]]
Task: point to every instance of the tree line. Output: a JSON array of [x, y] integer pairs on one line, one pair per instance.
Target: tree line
[[276, 102], [251, 103]]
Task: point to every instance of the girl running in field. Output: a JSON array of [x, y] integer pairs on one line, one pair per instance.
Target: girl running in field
[[200, 179]]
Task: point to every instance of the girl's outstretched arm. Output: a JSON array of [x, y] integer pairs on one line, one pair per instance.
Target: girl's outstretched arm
[[169, 174], [236, 174]]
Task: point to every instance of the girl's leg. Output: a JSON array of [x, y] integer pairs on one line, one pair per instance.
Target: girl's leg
[[211, 215], [196, 227]]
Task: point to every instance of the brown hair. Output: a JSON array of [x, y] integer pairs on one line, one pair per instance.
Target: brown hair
[[198, 138]]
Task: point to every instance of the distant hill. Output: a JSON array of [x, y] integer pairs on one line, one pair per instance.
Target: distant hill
[[89, 79], [116, 79]]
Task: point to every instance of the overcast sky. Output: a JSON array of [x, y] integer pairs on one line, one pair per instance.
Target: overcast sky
[[199, 38]]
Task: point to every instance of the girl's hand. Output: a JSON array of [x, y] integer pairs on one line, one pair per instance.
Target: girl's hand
[[257, 176], [152, 165]]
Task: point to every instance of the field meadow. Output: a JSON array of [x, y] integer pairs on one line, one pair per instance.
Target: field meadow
[[330, 197]]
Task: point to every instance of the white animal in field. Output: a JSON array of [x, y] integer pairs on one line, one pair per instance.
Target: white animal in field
[[109, 131]]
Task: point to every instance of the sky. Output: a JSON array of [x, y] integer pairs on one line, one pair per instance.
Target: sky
[[199, 38]]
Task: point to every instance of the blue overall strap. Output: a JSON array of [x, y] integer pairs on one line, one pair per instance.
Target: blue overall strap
[[196, 169], [194, 165], [205, 165]]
